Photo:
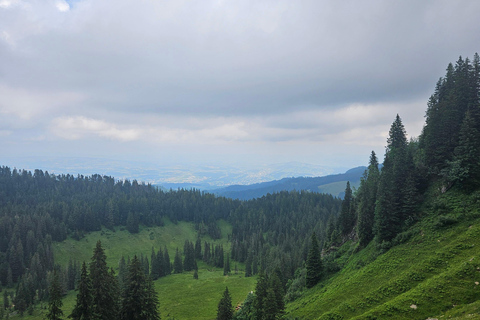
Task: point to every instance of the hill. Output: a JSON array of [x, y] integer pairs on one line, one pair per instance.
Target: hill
[[332, 184], [433, 271]]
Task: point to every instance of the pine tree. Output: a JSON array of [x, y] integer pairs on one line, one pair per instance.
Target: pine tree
[[225, 308], [155, 269], [167, 263], [260, 295], [277, 289], [55, 299], [140, 300], [367, 197], [389, 211], [177, 263], [346, 218], [83, 306], [314, 263], [104, 287], [134, 294], [226, 266], [150, 311]]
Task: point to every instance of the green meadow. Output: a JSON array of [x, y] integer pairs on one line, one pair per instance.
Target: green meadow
[[180, 295]]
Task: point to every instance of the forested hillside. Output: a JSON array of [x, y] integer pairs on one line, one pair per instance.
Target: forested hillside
[[38, 209], [333, 184]]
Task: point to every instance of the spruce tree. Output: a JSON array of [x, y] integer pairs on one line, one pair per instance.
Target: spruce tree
[[55, 299], [225, 308], [104, 287], [260, 295], [150, 310], [134, 296], [314, 263], [83, 306], [346, 218], [226, 266], [367, 197], [389, 210], [177, 263]]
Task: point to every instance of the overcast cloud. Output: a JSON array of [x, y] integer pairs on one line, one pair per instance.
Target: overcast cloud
[[222, 81]]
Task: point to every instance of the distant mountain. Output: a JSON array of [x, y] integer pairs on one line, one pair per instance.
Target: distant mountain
[[333, 184], [171, 175]]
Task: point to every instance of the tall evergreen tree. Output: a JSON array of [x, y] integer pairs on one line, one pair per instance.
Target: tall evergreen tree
[[55, 299], [134, 294], [83, 305], [167, 262], [104, 287], [261, 291], [367, 197], [225, 308], [314, 263], [226, 266], [389, 211], [150, 311], [177, 263], [346, 219]]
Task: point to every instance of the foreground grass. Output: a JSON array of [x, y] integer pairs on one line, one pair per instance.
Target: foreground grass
[[434, 273], [180, 296]]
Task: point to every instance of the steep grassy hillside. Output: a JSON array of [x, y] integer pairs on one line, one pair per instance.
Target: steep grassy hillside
[[433, 271]]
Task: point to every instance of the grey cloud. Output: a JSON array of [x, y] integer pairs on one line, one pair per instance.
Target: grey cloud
[[284, 69]]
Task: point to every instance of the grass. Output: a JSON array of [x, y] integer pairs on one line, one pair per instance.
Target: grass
[[180, 296], [120, 243], [432, 274], [336, 188]]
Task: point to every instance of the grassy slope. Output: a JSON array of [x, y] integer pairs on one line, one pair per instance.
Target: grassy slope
[[180, 296], [436, 270], [337, 189]]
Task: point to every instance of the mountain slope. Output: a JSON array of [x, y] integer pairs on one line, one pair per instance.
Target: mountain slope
[[327, 184], [435, 270]]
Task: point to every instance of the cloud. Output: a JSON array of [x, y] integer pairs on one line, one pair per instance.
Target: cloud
[[261, 76], [74, 128], [26, 105]]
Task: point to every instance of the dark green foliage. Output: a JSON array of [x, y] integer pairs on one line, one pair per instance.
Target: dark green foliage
[[277, 301], [346, 219], [6, 301], [464, 169], [55, 299], [314, 263], [167, 264], [226, 266], [261, 291], [389, 211], [177, 263], [225, 308], [104, 287], [83, 305], [189, 252], [198, 249], [132, 222], [367, 197], [134, 297]]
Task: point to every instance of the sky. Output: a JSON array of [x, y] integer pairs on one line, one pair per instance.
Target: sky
[[224, 82]]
